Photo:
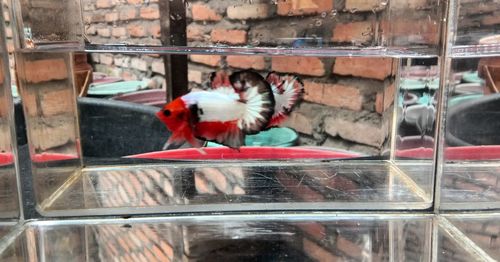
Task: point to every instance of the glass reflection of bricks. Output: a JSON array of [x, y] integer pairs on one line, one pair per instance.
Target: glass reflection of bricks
[[135, 187], [361, 241], [477, 184], [136, 242]]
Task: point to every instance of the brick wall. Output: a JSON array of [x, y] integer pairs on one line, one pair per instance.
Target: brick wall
[[345, 98]]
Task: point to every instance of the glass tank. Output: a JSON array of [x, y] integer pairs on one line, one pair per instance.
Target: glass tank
[[146, 107], [251, 238], [290, 130]]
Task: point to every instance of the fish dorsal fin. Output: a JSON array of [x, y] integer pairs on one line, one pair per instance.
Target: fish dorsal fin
[[288, 91], [219, 79]]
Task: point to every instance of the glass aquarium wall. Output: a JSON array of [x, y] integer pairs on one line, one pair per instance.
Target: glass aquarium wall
[[475, 28], [269, 105], [469, 153], [358, 27], [261, 238], [9, 200]]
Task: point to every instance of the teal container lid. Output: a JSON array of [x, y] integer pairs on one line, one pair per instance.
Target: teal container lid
[[463, 98], [416, 84], [14, 91], [277, 137], [117, 88], [472, 77]]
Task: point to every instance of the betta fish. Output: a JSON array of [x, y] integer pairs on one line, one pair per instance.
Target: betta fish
[[234, 106]]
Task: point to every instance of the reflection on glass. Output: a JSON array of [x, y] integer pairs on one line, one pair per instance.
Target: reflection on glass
[[416, 109], [9, 206], [482, 231], [345, 112], [477, 22], [270, 238], [472, 140], [294, 23], [91, 116], [37, 25]]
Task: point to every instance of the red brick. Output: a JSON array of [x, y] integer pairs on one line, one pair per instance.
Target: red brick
[[300, 123], [202, 12], [389, 95], [349, 248], [379, 102], [135, 2], [221, 35], [8, 32], [106, 59], [151, 12], [139, 64], [368, 67], [158, 67], [313, 229], [6, 16], [491, 20], [195, 32], [410, 4], [363, 131], [301, 7], [215, 176], [317, 252], [333, 95], [127, 75], [363, 5], [356, 32], [202, 186], [247, 62], [57, 102], [136, 30], [111, 17], [104, 32], [128, 14], [45, 70], [118, 31], [211, 60], [155, 30], [159, 254], [167, 249], [104, 3], [249, 11], [312, 66], [299, 190], [195, 76]]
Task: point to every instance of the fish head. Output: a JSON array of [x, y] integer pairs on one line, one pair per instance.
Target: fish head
[[174, 114]]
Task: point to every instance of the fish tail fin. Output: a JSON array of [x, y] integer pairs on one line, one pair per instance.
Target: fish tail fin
[[258, 98], [288, 90]]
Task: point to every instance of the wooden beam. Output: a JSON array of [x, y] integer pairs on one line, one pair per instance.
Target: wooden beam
[[173, 33]]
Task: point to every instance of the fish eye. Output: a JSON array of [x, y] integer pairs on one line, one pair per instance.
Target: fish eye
[[167, 112]]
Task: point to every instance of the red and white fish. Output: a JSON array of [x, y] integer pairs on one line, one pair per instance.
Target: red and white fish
[[221, 114], [233, 107]]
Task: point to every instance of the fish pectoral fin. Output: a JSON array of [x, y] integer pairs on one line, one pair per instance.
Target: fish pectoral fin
[[172, 144]]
